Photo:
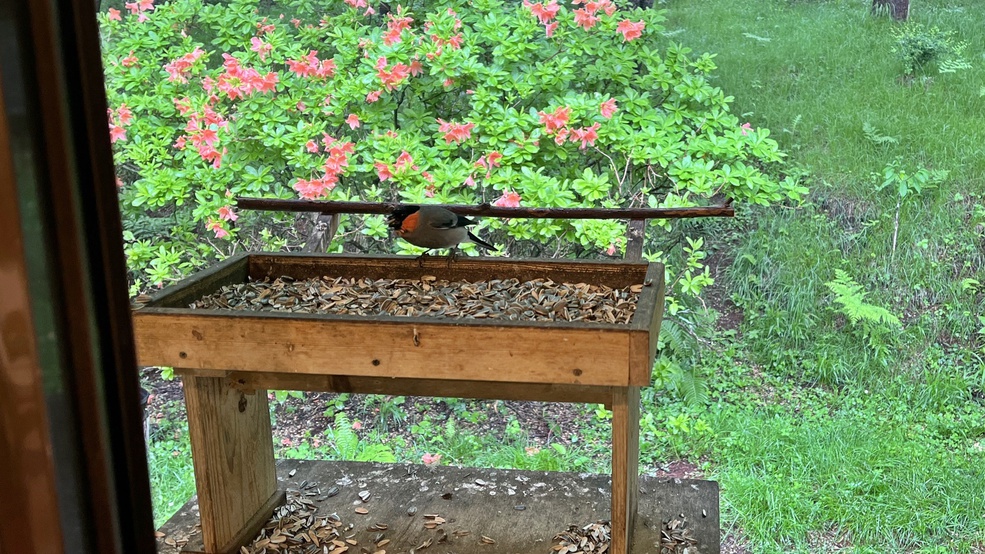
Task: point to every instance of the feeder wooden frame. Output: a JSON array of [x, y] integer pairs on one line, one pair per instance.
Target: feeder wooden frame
[[228, 360]]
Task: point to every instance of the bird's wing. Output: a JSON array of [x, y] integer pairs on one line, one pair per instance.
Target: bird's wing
[[444, 220], [465, 222]]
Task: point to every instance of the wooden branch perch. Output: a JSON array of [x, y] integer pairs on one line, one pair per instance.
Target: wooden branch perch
[[486, 209]]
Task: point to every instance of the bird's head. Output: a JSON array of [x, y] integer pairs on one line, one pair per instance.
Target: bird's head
[[403, 219]]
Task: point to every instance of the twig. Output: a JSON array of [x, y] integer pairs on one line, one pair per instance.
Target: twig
[[486, 209]]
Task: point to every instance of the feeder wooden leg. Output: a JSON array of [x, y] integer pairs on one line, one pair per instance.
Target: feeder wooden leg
[[233, 456], [625, 465]]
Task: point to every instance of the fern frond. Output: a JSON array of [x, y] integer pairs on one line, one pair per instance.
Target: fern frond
[[875, 136], [674, 338], [851, 297], [345, 439], [687, 384], [691, 387], [376, 453]]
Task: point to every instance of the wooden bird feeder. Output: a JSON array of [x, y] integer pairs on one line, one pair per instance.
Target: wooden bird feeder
[[228, 359]]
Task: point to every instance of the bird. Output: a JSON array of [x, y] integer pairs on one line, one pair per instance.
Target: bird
[[433, 227]]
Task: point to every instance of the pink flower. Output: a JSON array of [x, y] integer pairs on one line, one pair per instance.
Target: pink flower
[[509, 199], [356, 3], [353, 121], [448, 82], [180, 143], [544, 12], [611, 250], [383, 171], [357, 425], [416, 68], [585, 19], [310, 65], [608, 108], [745, 128], [587, 135], [215, 226], [550, 28], [315, 188], [455, 132], [469, 182], [178, 69], [561, 137], [373, 96], [260, 47], [264, 28], [391, 37], [125, 115], [431, 459], [338, 159], [142, 17], [555, 120], [130, 60], [392, 78], [489, 161], [116, 133], [404, 160], [630, 30], [114, 14], [311, 146], [119, 183], [267, 84], [227, 213], [139, 6]]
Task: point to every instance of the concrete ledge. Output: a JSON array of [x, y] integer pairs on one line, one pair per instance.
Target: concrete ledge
[[520, 510]]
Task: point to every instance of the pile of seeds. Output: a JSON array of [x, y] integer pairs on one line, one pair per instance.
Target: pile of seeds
[[676, 537], [294, 528], [593, 538], [535, 300]]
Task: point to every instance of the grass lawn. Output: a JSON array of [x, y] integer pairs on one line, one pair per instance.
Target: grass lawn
[[829, 434], [829, 427]]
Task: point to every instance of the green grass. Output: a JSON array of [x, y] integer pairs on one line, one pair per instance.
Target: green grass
[[817, 431], [827, 69], [169, 457], [886, 470]]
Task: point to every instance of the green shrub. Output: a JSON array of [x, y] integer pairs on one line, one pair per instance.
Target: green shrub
[[448, 101], [918, 46]]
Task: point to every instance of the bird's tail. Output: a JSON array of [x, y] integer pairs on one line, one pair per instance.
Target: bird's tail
[[481, 242]]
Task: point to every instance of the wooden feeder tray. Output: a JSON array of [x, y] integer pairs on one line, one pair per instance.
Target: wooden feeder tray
[[228, 359]]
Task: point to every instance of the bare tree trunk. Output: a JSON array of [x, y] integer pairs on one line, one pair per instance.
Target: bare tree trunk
[[898, 9], [323, 229]]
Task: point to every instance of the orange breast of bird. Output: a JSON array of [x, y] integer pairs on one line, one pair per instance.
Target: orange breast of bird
[[409, 223]]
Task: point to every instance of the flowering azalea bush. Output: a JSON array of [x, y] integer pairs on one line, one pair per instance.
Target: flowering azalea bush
[[542, 104]]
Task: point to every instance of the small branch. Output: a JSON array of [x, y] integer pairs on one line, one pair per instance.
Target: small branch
[[486, 209], [899, 204]]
